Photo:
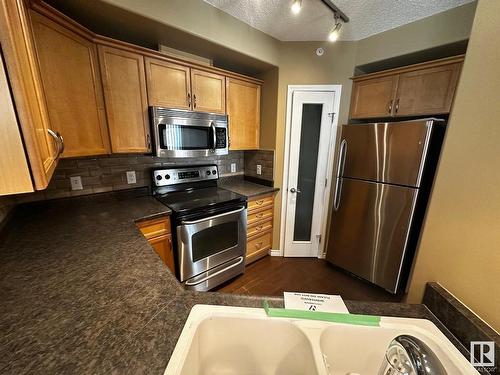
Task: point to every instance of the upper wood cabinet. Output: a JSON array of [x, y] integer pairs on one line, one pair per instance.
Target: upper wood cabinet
[[72, 84], [169, 85], [41, 147], [373, 97], [426, 91], [208, 91], [417, 90], [125, 95], [243, 109]]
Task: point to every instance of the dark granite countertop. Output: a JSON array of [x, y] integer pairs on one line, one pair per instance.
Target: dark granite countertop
[[82, 291], [247, 188]]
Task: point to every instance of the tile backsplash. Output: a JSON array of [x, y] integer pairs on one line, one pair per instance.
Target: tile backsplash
[[108, 173], [264, 158]]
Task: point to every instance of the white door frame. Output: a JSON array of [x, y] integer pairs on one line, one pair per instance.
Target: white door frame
[[286, 161]]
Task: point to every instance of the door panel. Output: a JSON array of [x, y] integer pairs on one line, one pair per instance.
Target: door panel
[[310, 139], [373, 97], [126, 100], [386, 152], [426, 91], [209, 92], [369, 229], [243, 108], [72, 85], [169, 84]]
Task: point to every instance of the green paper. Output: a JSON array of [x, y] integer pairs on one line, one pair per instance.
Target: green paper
[[362, 320]]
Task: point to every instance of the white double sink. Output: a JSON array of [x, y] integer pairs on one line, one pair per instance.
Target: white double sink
[[219, 340]]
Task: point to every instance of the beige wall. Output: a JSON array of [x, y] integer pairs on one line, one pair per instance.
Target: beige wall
[[440, 29], [207, 22], [268, 108], [460, 245]]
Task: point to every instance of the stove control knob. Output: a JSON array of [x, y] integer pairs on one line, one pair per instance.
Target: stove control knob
[[208, 173], [214, 172], [158, 177], [167, 176]]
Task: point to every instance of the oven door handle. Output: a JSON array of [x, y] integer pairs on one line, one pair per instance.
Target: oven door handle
[[212, 217], [202, 280]]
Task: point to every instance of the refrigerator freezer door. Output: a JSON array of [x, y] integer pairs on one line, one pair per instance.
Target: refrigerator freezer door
[[387, 152], [369, 232]]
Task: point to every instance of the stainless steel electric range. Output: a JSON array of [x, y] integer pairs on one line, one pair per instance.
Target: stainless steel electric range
[[209, 225]]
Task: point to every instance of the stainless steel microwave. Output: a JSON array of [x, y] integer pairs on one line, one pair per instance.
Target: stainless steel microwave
[[179, 133]]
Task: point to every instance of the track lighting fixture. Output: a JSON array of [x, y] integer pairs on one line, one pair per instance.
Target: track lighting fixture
[[335, 32], [296, 6]]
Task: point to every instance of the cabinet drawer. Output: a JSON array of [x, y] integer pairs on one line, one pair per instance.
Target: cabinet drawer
[[259, 227], [155, 227], [259, 244], [259, 216], [260, 202]]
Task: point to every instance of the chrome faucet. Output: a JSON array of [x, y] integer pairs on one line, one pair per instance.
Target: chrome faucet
[[407, 355]]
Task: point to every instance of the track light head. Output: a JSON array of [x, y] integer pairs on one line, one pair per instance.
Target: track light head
[[296, 6], [335, 32]]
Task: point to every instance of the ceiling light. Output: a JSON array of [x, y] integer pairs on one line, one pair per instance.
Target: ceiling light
[[335, 32], [296, 6]]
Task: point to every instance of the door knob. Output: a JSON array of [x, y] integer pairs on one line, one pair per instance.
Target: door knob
[[293, 190]]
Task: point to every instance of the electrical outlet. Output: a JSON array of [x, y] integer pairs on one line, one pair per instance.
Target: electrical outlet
[[259, 169], [233, 167], [76, 183], [131, 179]]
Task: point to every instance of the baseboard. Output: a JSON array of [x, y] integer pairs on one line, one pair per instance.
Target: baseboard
[[275, 253]]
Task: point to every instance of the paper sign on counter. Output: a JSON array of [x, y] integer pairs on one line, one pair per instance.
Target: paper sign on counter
[[314, 302]]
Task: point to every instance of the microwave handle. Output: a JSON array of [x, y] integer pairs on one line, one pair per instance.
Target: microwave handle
[[214, 135]]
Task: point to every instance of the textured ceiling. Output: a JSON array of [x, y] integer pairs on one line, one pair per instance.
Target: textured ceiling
[[313, 23]]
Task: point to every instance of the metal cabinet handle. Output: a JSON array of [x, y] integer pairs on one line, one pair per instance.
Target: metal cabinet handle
[[59, 141], [293, 191], [397, 105], [259, 203], [194, 101], [389, 110], [189, 99], [258, 245], [148, 141]]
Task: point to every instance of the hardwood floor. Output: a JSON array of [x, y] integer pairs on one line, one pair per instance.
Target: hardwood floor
[[271, 276]]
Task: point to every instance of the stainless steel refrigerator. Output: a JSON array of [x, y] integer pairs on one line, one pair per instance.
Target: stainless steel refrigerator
[[384, 177]]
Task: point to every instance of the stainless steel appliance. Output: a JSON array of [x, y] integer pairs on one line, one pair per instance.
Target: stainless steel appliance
[[209, 225], [179, 133], [384, 177]]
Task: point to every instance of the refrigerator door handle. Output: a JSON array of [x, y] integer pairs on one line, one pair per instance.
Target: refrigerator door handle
[[340, 171]]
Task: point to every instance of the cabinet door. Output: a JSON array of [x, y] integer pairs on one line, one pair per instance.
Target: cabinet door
[[243, 108], [24, 78], [209, 92], [126, 99], [168, 84], [72, 85], [163, 247], [373, 97], [426, 91]]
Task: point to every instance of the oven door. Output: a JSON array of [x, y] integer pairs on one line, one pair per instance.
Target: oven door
[[209, 242]]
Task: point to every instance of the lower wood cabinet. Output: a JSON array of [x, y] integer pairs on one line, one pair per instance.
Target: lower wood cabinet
[[158, 233], [259, 227]]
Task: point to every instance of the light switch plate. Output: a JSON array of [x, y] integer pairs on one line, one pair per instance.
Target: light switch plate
[[233, 167], [259, 169], [131, 178], [76, 183]]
